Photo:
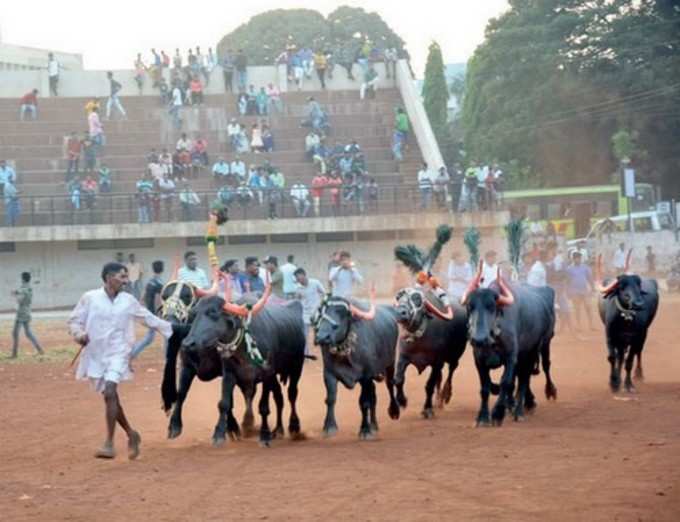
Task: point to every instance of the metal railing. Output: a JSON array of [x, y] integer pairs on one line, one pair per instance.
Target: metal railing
[[115, 208]]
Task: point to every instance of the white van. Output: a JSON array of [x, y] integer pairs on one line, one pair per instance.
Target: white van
[[649, 221]]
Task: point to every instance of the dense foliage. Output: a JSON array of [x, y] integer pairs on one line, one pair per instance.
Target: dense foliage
[[435, 100], [556, 80], [266, 35]]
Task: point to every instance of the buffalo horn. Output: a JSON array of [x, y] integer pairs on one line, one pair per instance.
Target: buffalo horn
[[505, 298], [360, 314], [474, 284], [599, 286]]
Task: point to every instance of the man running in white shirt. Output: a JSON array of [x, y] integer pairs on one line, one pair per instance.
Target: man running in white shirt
[[103, 324]]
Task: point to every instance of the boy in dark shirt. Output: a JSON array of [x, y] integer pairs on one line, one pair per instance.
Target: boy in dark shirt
[[151, 300]]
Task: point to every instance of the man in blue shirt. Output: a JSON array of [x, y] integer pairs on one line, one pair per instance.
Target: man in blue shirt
[[579, 288]]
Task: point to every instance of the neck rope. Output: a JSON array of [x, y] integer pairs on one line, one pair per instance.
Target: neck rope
[[626, 313], [229, 349]]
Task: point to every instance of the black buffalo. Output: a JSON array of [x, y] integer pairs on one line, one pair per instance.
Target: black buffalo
[[627, 307], [358, 346], [178, 302], [510, 328], [251, 344], [433, 338]]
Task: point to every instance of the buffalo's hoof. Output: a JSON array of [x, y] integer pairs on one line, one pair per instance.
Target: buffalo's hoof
[[174, 431], [278, 432], [497, 422], [550, 392], [366, 435], [427, 413], [293, 427], [630, 387], [614, 384], [265, 443], [374, 427], [265, 439], [393, 410], [218, 441], [530, 408], [330, 431], [402, 401], [639, 375]]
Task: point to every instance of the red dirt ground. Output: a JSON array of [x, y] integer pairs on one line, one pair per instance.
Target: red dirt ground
[[589, 456]]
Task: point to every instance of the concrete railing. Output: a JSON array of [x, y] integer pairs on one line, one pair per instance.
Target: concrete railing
[[87, 83], [420, 123]]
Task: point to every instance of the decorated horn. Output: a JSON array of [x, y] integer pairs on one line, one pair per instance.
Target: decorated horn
[[360, 314], [263, 300], [505, 298], [227, 287], [446, 316], [212, 291], [626, 267], [599, 286], [175, 270], [474, 284]]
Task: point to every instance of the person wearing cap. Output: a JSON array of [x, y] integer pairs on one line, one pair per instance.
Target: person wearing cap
[[271, 264]]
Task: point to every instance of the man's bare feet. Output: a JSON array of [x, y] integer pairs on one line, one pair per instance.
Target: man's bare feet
[[106, 452], [134, 442]]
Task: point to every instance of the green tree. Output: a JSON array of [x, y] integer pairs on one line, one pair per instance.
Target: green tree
[[266, 35], [436, 96], [554, 80]]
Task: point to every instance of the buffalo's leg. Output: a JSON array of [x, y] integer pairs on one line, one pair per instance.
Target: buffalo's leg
[[615, 369], [523, 377], [248, 423], [278, 401], [186, 377], [550, 388], [330, 426], [399, 379], [638, 367], [484, 389], [294, 421], [639, 375], [529, 399], [373, 398], [505, 397], [445, 396], [225, 407], [265, 432], [393, 408], [365, 402], [430, 385]]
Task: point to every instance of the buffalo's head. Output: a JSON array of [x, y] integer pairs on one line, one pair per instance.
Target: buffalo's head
[[626, 287], [333, 320], [484, 306], [179, 297], [412, 305]]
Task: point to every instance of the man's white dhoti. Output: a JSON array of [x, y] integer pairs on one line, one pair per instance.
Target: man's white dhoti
[[109, 324]]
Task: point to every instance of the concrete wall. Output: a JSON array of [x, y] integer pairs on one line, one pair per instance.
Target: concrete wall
[[21, 56], [85, 83], [420, 123], [61, 272]]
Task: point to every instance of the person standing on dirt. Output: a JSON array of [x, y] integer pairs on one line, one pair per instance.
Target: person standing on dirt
[[152, 300], [102, 324], [24, 297], [579, 289]]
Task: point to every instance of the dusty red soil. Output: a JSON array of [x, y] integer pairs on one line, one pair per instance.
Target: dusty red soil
[[589, 456]]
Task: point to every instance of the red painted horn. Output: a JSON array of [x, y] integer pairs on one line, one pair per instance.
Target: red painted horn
[[212, 291], [474, 284], [446, 316], [360, 314], [505, 298], [599, 286]]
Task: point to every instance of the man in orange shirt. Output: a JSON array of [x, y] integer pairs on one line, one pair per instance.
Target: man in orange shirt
[[29, 103]]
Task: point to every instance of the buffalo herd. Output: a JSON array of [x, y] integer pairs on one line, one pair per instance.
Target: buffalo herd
[[509, 325]]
